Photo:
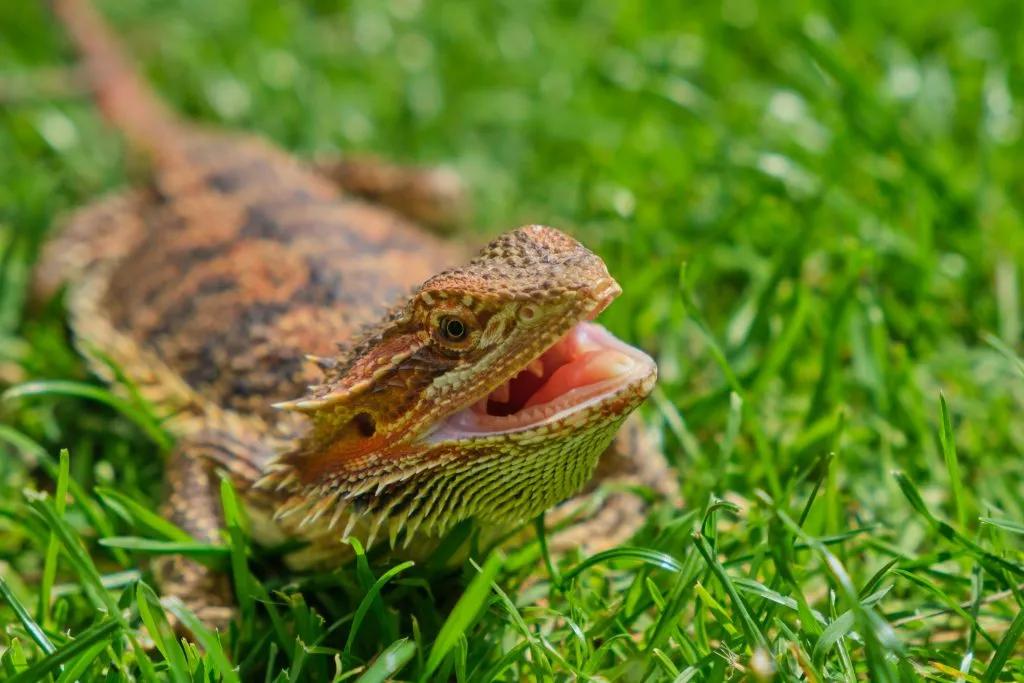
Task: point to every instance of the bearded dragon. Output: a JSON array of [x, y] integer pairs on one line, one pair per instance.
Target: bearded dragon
[[304, 329]]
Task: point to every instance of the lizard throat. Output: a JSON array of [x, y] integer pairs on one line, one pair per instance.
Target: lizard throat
[[586, 367]]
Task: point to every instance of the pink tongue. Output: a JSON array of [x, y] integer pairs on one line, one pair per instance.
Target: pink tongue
[[589, 368]]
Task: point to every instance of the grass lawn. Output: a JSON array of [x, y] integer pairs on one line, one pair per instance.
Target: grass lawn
[[815, 210]]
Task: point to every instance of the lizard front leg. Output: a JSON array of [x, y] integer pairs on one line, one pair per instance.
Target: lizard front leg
[[192, 502], [632, 460], [432, 196]]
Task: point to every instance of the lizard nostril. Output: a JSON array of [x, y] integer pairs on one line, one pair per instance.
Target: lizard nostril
[[528, 313]]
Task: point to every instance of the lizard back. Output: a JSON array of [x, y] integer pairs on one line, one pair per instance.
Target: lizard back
[[236, 262]]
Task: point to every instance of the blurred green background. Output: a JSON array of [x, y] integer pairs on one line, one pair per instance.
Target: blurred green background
[[815, 211]]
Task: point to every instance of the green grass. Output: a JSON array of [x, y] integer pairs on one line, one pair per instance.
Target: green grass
[[815, 210]]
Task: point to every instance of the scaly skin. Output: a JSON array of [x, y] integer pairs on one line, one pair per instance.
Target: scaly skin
[[210, 289]]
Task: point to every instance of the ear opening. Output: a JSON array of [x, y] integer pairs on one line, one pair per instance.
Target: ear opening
[[366, 425]]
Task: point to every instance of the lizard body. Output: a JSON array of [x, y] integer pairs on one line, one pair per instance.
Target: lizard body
[[465, 388]]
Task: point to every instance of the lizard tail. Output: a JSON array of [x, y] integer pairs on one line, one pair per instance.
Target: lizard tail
[[120, 92]]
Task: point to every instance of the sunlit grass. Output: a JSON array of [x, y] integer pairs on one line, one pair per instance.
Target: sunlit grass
[[815, 212]]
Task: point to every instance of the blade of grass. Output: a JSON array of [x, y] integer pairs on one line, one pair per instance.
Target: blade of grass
[[213, 555], [141, 418], [952, 467], [160, 631], [209, 641], [79, 559], [541, 665], [1004, 524], [755, 637], [28, 623], [389, 662], [83, 644], [1006, 649], [646, 556], [135, 513], [76, 669], [234, 523], [367, 602], [542, 540], [466, 610], [53, 547], [676, 603]]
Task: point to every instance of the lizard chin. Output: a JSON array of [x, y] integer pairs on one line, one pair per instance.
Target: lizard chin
[[584, 369]]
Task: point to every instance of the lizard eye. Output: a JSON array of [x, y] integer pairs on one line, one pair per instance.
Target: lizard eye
[[455, 329], [452, 329]]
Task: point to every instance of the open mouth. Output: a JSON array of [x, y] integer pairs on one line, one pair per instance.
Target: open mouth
[[586, 366]]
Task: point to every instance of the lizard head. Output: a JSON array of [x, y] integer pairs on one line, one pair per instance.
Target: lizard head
[[488, 394]]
